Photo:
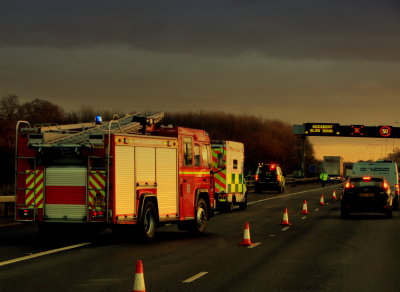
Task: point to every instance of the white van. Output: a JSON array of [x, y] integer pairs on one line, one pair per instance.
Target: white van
[[386, 168]]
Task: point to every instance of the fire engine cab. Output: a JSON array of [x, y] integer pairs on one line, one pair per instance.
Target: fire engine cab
[[126, 171]]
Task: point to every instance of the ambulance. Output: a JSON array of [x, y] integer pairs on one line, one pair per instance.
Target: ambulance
[[228, 169]]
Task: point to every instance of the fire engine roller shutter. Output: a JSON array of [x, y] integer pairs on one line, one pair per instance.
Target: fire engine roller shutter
[[65, 193], [125, 181], [145, 165], [166, 171]]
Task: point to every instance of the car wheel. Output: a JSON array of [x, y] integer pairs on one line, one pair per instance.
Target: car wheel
[[396, 203]]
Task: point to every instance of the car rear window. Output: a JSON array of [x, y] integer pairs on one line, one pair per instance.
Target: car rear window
[[373, 182], [265, 171]]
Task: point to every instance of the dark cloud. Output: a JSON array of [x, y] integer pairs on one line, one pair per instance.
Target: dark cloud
[[367, 29]]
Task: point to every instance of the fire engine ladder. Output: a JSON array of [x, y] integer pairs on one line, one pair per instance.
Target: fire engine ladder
[[21, 175], [132, 123]]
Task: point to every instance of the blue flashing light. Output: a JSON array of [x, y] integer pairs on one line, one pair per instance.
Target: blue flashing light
[[98, 120]]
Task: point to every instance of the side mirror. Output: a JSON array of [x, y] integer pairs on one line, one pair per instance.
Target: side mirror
[[219, 170]]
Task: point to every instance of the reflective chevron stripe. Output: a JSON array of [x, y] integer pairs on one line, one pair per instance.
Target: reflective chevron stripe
[[219, 176], [34, 185], [96, 190]]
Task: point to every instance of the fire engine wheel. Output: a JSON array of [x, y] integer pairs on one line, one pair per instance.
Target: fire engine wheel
[[148, 222], [200, 223]]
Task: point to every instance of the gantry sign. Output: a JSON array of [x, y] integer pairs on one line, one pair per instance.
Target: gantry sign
[[337, 130]]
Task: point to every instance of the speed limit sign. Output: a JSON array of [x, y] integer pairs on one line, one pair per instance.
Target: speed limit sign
[[385, 131]]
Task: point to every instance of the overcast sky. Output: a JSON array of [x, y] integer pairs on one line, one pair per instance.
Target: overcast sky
[[298, 61]]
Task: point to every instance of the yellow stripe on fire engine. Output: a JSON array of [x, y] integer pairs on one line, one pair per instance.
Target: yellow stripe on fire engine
[[203, 173]]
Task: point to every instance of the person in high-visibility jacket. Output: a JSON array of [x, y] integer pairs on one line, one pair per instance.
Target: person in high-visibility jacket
[[323, 177]]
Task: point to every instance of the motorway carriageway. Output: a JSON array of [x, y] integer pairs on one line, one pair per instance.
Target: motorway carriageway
[[224, 232], [256, 201]]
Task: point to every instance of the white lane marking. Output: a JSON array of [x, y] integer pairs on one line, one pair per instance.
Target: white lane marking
[[316, 209], [272, 235], [195, 277], [283, 196], [254, 245], [32, 256], [286, 228], [305, 217]]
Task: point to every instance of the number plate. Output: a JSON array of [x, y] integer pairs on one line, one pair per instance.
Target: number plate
[[366, 195]]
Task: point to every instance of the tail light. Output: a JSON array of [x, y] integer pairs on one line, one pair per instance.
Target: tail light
[[256, 177], [366, 178], [98, 214], [25, 213], [385, 185], [348, 185], [397, 189], [278, 178], [272, 167]]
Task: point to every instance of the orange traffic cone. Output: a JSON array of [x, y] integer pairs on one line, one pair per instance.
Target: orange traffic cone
[[285, 220], [246, 235], [305, 210], [138, 285], [321, 200], [334, 195]]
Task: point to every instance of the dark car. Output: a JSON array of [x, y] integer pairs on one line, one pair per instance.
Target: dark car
[[269, 177], [369, 193]]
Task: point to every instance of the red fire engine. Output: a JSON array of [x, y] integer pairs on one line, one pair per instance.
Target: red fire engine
[[126, 171]]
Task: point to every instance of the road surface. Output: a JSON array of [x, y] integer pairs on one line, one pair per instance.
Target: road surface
[[317, 252]]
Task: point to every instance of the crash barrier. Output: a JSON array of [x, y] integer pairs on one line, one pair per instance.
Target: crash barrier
[[289, 179], [7, 204], [292, 181], [250, 181]]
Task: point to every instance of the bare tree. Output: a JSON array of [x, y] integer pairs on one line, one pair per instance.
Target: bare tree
[[41, 111], [9, 106], [265, 140]]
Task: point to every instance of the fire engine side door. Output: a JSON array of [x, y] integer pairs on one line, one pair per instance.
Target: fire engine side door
[[186, 179]]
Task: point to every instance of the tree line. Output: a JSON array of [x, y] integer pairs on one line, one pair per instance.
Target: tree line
[[265, 140]]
